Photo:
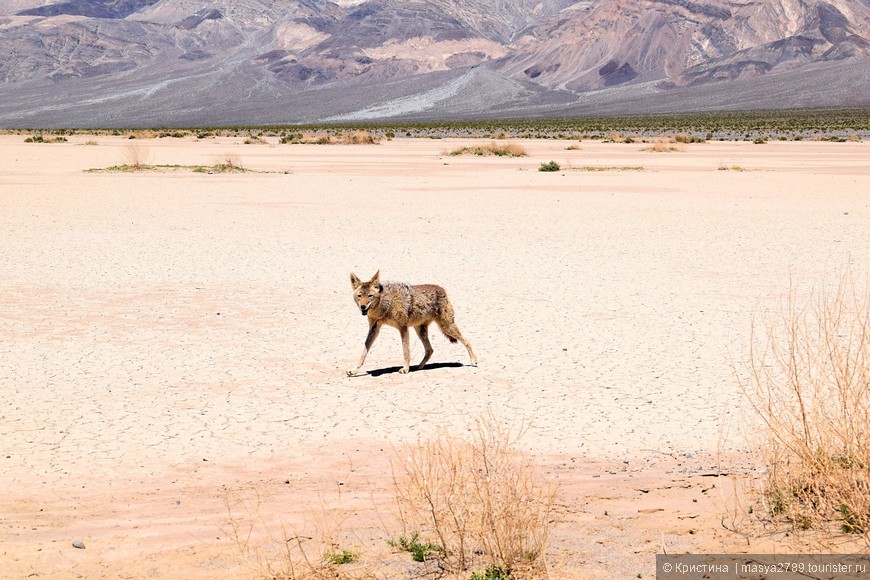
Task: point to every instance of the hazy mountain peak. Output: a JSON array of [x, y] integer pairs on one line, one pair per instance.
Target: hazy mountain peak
[[260, 61]]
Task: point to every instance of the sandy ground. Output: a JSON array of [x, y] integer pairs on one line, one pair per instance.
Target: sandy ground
[[173, 344]]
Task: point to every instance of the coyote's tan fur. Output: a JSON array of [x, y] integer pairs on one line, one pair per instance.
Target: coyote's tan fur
[[404, 306]]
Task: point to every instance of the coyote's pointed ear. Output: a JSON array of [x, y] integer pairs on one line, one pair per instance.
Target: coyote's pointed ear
[[376, 279], [354, 280]]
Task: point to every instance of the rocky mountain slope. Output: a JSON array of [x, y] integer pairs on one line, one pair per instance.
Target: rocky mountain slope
[[201, 62]]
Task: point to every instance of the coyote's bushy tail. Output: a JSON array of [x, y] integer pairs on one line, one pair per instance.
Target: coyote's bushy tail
[[445, 321]]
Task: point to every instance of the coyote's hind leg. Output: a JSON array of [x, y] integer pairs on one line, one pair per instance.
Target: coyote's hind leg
[[423, 333]]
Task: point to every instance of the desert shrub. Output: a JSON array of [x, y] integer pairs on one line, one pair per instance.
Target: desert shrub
[[492, 572], [227, 163], [312, 552], [291, 138], [810, 387], [550, 166], [686, 138], [497, 149], [474, 500], [420, 551], [135, 157], [41, 139], [307, 139], [663, 146], [340, 557], [359, 138]]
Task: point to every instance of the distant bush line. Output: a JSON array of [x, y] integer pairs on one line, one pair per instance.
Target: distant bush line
[[835, 124]]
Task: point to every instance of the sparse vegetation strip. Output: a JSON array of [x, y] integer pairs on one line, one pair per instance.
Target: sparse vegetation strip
[[833, 124], [605, 168], [220, 167]]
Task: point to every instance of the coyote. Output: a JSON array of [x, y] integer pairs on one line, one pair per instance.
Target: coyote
[[404, 306]]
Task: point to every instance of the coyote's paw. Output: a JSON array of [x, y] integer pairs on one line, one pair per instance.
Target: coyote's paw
[[351, 372], [404, 370]]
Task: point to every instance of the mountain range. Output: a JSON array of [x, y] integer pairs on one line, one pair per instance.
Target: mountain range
[[122, 63]]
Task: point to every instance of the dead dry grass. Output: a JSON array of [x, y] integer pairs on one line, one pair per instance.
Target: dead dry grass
[[465, 506], [477, 499], [135, 157], [810, 388], [320, 549]]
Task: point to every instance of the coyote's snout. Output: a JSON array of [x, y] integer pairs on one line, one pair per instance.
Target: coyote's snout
[[404, 306]]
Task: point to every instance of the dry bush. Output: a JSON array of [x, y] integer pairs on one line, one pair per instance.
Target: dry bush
[[686, 138], [510, 150], [142, 134], [618, 138], [135, 157], [663, 145], [477, 500], [359, 138], [227, 163], [321, 139], [313, 551], [810, 387], [498, 149]]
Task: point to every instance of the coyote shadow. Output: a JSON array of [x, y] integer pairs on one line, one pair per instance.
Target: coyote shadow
[[429, 366]]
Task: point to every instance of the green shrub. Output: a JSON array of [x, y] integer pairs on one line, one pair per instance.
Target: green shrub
[[550, 166], [340, 558], [420, 552], [492, 572]]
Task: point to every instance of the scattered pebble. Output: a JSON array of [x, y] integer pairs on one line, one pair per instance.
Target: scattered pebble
[[79, 545]]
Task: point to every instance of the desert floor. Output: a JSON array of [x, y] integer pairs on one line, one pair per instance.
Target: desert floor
[[173, 344]]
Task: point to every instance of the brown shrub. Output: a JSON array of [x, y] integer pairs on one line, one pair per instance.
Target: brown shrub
[[478, 500], [810, 387], [498, 149]]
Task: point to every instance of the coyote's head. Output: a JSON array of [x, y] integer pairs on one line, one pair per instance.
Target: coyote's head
[[366, 294]]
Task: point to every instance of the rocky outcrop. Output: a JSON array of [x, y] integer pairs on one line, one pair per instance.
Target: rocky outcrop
[[90, 8]]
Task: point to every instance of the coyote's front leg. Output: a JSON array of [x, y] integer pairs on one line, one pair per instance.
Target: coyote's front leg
[[374, 329], [406, 349]]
